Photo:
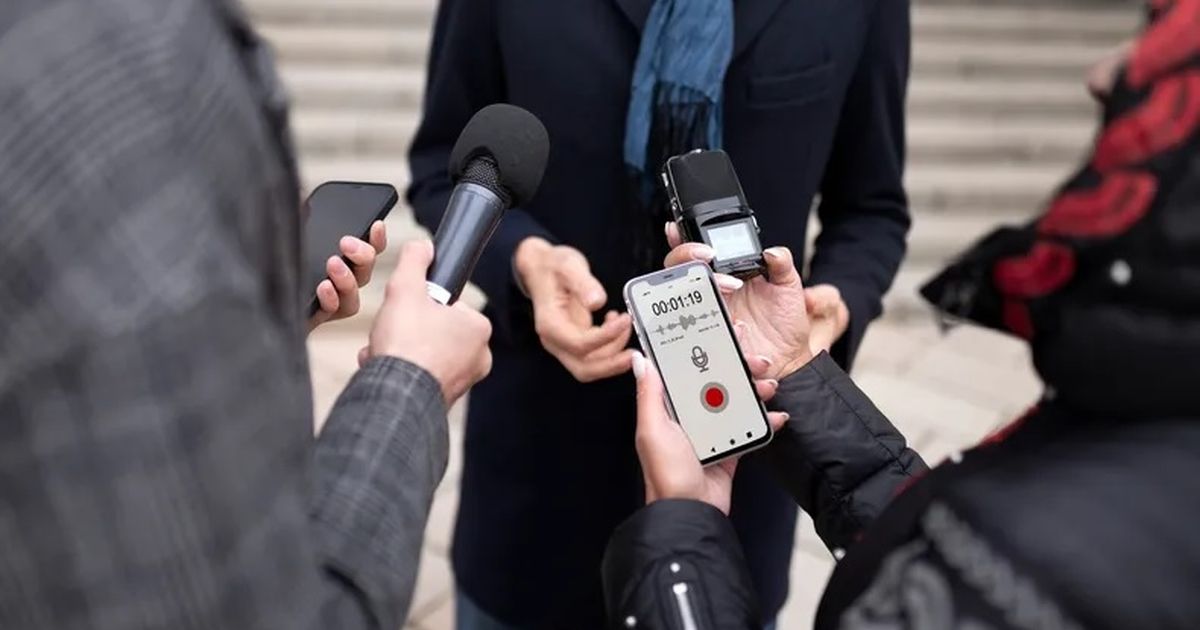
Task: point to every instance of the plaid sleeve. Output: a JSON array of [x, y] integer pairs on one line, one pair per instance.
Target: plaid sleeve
[[379, 458]]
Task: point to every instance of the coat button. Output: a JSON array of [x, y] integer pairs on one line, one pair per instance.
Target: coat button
[[631, 622], [1120, 272]]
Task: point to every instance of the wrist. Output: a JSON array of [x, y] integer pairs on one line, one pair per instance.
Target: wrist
[[793, 364]]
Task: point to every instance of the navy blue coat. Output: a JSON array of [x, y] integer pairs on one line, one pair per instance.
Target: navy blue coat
[[814, 104]]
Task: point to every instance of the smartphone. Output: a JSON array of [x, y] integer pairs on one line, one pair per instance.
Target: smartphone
[[683, 326], [334, 210]]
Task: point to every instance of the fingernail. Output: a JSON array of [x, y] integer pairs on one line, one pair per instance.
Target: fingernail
[[595, 297], [773, 382], [773, 252], [349, 245], [667, 229], [786, 416], [639, 364], [729, 283], [704, 252], [765, 359]]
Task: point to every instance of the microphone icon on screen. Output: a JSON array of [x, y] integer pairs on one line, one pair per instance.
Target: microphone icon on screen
[[700, 358]]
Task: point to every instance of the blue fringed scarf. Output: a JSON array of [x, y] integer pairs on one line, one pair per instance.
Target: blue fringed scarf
[[675, 99]]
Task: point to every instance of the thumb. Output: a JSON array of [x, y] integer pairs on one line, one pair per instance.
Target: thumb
[[781, 267], [411, 271], [650, 409]]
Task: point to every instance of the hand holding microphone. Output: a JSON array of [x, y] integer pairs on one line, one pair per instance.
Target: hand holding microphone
[[497, 162], [449, 342]]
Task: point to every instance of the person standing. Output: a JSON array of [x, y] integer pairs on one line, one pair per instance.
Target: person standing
[[806, 97], [157, 461]]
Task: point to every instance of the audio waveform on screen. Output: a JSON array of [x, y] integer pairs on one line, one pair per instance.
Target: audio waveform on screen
[[685, 322]]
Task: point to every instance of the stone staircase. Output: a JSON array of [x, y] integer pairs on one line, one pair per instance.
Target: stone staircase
[[997, 109]]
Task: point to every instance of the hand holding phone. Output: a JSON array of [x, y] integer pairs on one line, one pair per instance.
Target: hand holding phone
[[336, 263], [684, 328]]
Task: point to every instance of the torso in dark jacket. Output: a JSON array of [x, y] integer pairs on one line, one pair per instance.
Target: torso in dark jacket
[[1071, 522], [550, 469]]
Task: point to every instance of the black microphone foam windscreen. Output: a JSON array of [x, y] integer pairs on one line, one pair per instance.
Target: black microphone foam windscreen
[[512, 137], [706, 176]]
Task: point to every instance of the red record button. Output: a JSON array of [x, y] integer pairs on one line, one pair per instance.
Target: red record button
[[714, 397]]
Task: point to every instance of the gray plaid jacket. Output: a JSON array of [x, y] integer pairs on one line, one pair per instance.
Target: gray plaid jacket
[[157, 465]]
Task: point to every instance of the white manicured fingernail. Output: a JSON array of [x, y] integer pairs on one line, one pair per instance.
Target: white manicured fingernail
[[729, 283], [704, 252], [773, 252], [639, 364], [765, 359]]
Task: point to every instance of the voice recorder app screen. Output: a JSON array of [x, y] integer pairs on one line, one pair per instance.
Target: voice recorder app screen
[[692, 344]]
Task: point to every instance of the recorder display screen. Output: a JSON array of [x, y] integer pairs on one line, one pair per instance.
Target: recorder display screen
[[689, 339]]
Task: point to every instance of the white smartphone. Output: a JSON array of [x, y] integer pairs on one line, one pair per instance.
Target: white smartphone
[[683, 326]]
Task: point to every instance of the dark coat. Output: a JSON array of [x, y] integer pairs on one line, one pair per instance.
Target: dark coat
[[1070, 521], [814, 103]]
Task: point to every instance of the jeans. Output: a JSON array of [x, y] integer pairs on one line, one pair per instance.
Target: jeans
[[469, 616]]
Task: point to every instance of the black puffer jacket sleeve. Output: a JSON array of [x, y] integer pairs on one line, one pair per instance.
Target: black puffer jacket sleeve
[[838, 456], [674, 560]]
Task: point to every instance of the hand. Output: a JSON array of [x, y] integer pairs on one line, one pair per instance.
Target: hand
[[337, 295], [771, 315], [828, 316], [565, 294], [1103, 74], [449, 342], [669, 463]]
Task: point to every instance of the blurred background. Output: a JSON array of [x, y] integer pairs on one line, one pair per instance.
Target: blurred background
[[998, 115]]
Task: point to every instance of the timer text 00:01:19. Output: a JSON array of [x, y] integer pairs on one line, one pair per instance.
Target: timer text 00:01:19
[[662, 307]]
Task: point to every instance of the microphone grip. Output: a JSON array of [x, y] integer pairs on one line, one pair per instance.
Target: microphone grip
[[472, 215]]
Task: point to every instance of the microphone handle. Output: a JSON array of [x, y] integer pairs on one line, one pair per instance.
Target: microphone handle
[[472, 215]]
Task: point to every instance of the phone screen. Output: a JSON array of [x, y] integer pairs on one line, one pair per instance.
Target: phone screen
[[337, 209], [685, 329]]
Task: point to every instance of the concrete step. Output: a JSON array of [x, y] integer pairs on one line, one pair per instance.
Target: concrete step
[[936, 238], [993, 97], [345, 133], [1043, 22], [903, 303], [966, 140], [975, 188], [331, 86], [352, 12], [389, 45], [1006, 58]]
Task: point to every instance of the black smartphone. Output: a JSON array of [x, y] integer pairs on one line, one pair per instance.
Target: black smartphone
[[684, 328], [334, 210]]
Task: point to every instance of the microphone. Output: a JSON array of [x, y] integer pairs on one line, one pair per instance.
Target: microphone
[[700, 358], [497, 163]]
